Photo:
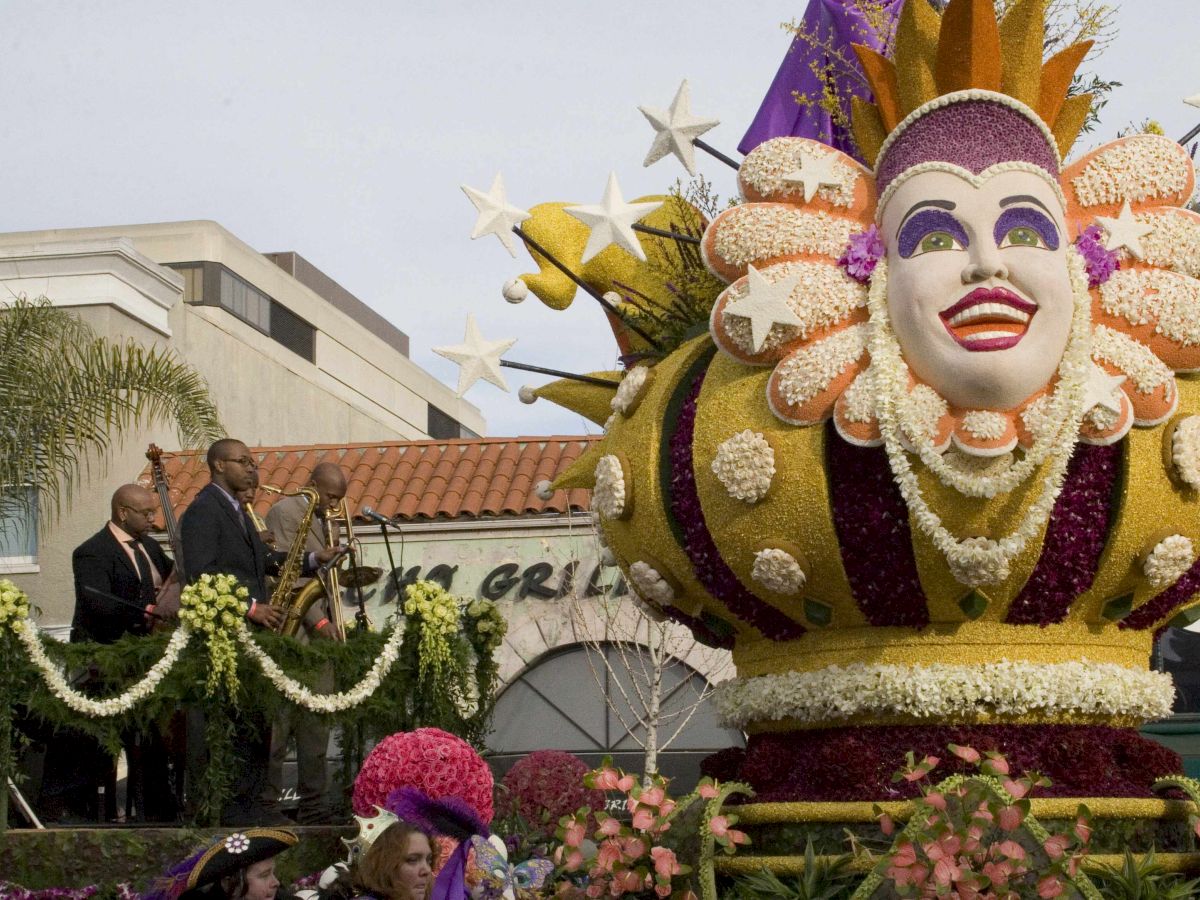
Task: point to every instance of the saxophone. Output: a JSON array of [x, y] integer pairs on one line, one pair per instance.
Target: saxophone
[[296, 604]]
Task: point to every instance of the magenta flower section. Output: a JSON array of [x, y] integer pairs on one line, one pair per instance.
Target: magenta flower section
[[1075, 538], [871, 520], [863, 254], [840, 764], [429, 759], [545, 786], [711, 570], [1101, 263]]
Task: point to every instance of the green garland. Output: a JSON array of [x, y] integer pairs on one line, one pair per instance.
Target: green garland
[[402, 702]]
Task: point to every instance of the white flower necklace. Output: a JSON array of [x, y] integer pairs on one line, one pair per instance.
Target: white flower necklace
[[977, 560]]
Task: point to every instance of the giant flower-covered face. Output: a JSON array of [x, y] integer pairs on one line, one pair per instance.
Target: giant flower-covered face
[[979, 292]]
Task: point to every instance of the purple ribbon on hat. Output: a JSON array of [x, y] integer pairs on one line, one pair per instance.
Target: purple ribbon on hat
[[839, 24]]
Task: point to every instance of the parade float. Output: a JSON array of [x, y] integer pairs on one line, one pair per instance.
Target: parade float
[[929, 466]]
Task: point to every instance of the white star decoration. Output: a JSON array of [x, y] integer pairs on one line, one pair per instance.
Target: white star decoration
[[1101, 390], [813, 171], [1193, 101], [1125, 231], [611, 221], [765, 305], [496, 215], [675, 129], [476, 358]]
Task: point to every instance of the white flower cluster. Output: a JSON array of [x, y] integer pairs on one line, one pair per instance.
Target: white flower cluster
[[766, 166], [1135, 359], [1169, 301], [948, 693], [1144, 167], [1174, 243], [53, 676], [972, 561], [629, 392], [1185, 451], [747, 234], [778, 571], [650, 584], [985, 424], [822, 298], [323, 703], [811, 370], [608, 496], [858, 401], [745, 465], [921, 411], [1170, 559]]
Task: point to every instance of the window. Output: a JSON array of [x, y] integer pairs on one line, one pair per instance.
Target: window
[[211, 284], [443, 426], [18, 530], [567, 702]]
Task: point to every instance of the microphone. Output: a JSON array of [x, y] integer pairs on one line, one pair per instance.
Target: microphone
[[379, 518]]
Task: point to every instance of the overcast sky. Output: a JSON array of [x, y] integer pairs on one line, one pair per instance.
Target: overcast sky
[[342, 131]]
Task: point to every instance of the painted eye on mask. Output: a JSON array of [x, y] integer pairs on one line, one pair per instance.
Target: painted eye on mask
[[1023, 236], [938, 240]]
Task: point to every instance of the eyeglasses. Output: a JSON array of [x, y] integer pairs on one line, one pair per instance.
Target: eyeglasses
[[147, 513], [246, 462]]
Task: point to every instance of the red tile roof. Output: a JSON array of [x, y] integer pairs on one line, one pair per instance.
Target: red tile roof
[[411, 479]]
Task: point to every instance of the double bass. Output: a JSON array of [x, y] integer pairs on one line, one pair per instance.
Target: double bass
[[168, 596]]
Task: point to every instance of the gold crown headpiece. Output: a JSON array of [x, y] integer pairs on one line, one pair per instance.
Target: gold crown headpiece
[[967, 56]]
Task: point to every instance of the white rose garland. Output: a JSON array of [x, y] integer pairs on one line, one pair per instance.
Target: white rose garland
[[778, 571], [323, 703], [947, 692], [745, 465]]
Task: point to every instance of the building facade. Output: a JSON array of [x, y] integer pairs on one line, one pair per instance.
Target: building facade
[[291, 358]]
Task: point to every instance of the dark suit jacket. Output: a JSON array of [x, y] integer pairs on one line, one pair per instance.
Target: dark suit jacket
[[101, 562], [217, 540]]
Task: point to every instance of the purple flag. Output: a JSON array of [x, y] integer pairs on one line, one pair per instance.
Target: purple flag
[[835, 23]]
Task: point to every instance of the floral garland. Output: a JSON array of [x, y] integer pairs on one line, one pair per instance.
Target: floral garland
[[948, 692], [14, 614], [322, 703], [215, 605], [977, 560]]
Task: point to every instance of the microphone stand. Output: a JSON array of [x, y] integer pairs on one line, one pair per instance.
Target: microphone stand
[[360, 618]]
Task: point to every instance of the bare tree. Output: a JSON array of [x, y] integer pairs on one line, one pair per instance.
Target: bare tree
[[644, 666]]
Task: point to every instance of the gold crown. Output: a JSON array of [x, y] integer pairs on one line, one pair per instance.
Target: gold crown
[[965, 49]]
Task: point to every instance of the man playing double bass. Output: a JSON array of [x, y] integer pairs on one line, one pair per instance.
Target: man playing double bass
[[219, 538]]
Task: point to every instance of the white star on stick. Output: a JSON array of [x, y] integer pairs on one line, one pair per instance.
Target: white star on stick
[[814, 171], [1125, 231], [765, 305], [675, 129], [1193, 101], [476, 358], [1101, 390], [496, 215], [612, 221]]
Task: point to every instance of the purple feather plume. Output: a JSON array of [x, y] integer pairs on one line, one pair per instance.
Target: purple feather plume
[[449, 817], [172, 882]]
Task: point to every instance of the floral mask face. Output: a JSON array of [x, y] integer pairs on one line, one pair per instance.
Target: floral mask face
[[979, 292]]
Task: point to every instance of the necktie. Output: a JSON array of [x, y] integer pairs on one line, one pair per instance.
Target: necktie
[[146, 589]]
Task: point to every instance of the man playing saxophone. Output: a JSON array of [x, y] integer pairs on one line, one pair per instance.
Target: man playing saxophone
[[320, 621], [218, 537]]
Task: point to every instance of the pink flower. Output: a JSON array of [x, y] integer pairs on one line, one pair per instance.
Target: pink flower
[[574, 834], [633, 848], [626, 783], [653, 796], [608, 855], [737, 837], [665, 863], [1056, 845], [708, 791], [605, 779], [574, 861], [1009, 818], [628, 881], [1083, 830], [966, 754], [719, 826], [1018, 789], [1050, 886], [610, 827], [995, 764], [642, 819], [1011, 849], [936, 800], [905, 855], [886, 824], [945, 872]]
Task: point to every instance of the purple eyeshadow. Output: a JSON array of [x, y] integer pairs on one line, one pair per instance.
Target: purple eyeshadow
[[1026, 217], [925, 222]]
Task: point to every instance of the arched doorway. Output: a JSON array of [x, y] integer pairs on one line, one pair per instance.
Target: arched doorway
[[566, 701]]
